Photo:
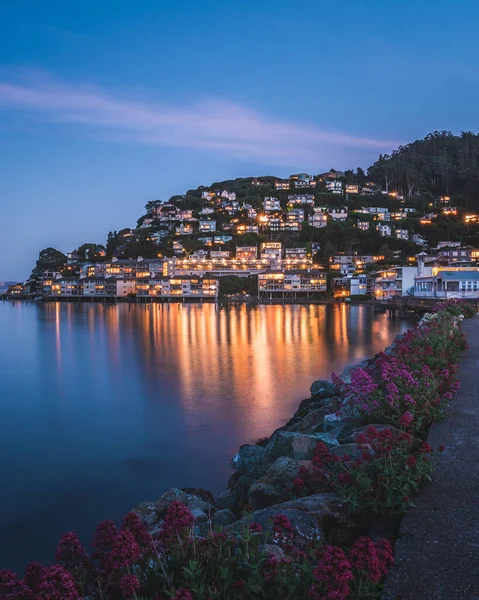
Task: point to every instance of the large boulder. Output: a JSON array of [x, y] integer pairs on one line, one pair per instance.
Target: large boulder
[[223, 517], [298, 446], [313, 420], [249, 459], [330, 512], [305, 528], [275, 483], [351, 451], [323, 389], [153, 513]]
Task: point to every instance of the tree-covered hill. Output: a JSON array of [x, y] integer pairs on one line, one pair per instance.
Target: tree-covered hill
[[441, 164]]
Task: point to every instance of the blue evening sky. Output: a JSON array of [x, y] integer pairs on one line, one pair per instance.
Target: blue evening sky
[[107, 104]]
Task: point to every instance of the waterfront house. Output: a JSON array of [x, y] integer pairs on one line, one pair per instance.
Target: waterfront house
[[291, 284], [397, 281], [350, 285], [179, 287], [448, 283]]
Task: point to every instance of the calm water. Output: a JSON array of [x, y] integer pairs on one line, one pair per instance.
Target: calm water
[[103, 407]]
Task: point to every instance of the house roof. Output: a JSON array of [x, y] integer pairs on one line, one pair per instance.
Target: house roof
[[459, 275]]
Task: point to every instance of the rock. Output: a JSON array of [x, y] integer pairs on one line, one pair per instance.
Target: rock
[[151, 513], [147, 513], [248, 459], [323, 389], [305, 527], [331, 421], [330, 513], [354, 451], [200, 493], [263, 494], [310, 423], [223, 517], [273, 550], [298, 446], [311, 420], [227, 500], [271, 488]]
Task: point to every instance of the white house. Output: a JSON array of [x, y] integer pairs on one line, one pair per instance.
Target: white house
[[339, 214], [270, 203], [402, 234], [334, 186], [448, 283], [384, 230], [363, 225]]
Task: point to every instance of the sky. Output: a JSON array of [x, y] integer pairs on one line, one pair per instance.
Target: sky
[[106, 105]]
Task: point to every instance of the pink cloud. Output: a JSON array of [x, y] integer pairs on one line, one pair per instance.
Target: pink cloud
[[214, 125]]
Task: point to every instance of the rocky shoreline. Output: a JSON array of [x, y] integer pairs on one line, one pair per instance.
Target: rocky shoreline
[[264, 473]]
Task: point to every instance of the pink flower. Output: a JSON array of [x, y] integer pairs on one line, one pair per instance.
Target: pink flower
[[255, 528], [406, 419], [411, 462], [363, 557], [282, 522], [129, 584], [57, 584], [177, 520], [183, 594]]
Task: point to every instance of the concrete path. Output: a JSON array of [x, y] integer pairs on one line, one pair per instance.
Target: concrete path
[[437, 555]]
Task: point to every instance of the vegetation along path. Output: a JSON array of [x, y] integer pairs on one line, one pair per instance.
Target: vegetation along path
[[437, 555]]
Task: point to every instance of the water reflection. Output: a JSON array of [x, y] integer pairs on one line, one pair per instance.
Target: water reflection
[[104, 406]]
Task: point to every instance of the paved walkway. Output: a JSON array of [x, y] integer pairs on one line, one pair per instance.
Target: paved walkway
[[437, 555]]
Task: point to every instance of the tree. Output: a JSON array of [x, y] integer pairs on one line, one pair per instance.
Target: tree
[[49, 259], [152, 205]]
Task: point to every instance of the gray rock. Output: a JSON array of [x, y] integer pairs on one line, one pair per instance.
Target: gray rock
[[331, 421], [313, 421], [305, 527], [248, 459], [271, 488], [330, 513], [223, 517], [298, 446], [323, 389], [354, 451], [273, 550], [151, 513]]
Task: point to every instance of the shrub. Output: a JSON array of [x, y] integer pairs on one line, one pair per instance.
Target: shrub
[[178, 566]]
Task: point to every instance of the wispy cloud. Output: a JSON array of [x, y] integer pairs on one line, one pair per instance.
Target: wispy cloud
[[216, 125]]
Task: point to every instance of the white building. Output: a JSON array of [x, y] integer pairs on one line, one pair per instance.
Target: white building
[[334, 186], [318, 219], [270, 203], [384, 230], [448, 283], [363, 225], [339, 214], [402, 234], [397, 281]]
